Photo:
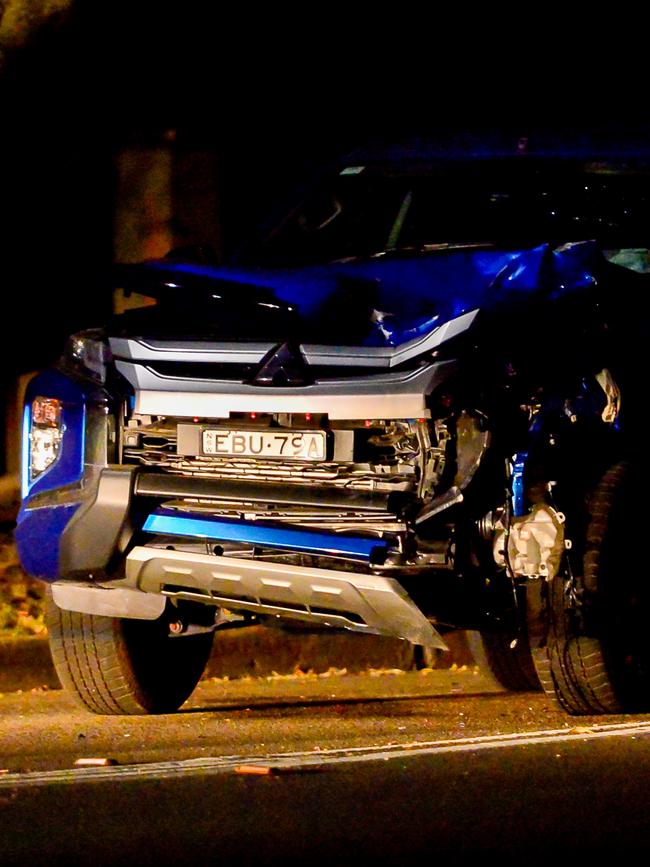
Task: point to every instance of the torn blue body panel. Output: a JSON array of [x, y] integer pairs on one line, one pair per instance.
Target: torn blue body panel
[[174, 523]]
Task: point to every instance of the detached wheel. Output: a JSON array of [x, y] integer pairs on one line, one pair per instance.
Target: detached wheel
[[512, 667], [596, 657], [116, 666]]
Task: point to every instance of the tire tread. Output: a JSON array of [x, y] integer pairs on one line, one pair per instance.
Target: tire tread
[[95, 663]]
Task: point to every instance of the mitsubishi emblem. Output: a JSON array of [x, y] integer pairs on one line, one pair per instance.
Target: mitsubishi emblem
[[284, 365]]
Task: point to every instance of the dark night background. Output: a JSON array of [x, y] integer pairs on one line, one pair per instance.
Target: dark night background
[[273, 96]]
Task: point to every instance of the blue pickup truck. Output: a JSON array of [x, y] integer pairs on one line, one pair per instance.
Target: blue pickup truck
[[412, 404]]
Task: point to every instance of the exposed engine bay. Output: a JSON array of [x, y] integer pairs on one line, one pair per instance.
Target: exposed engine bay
[[414, 464]]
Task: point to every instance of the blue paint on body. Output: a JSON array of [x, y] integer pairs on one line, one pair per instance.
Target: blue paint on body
[[418, 291], [518, 497], [38, 530], [38, 533], [169, 522]]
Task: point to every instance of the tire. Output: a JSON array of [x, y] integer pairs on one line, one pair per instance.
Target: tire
[[511, 667], [116, 666], [596, 657]]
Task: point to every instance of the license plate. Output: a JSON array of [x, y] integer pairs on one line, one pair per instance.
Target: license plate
[[295, 445]]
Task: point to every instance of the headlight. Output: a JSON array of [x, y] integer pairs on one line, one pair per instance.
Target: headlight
[[45, 434]]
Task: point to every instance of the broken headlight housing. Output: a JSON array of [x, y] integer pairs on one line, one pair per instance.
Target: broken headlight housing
[[45, 434]]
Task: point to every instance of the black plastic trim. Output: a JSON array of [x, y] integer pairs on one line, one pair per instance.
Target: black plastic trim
[[101, 527], [170, 485]]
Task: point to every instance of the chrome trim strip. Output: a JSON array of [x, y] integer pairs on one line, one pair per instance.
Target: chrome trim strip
[[387, 395], [134, 349], [141, 376], [387, 356], [195, 350]]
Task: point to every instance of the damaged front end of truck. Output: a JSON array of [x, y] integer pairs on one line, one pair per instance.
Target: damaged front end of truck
[[399, 443]]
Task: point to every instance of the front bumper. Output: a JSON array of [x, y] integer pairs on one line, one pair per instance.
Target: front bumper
[[121, 510], [358, 602], [64, 535]]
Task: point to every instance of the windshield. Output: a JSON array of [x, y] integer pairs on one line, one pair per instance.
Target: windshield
[[509, 202]]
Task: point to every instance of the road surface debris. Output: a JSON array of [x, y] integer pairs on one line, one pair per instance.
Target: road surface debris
[[95, 762]]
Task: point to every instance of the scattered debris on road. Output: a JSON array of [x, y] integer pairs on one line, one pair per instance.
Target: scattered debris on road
[[95, 762]]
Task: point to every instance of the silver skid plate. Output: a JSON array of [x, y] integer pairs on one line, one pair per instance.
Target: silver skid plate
[[362, 603]]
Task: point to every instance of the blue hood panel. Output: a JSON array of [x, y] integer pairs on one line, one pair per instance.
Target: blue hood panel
[[387, 299]]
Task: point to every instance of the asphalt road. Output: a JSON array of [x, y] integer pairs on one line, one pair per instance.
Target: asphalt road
[[338, 770], [43, 730]]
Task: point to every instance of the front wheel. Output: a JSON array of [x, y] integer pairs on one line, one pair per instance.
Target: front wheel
[[117, 666], [508, 661], [596, 656]]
